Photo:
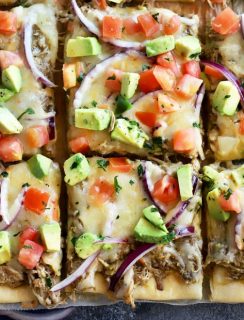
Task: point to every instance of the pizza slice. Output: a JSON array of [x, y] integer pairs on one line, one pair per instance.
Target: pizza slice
[[225, 71], [28, 50], [224, 204], [30, 233], [133, 229], [139, 102]]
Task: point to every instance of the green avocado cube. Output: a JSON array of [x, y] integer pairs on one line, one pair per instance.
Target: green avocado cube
[[5, 94], [129, 132], [8, 123], [160, 45], [184, 174], [189, 47], [238, 176], [51, 236], [214, 208], [152, 215], [226, 98], [210, 176], [11, 78], [82, 47], [85, 245], [39, 165], [92, 119], [129, 83], [76, 169], [5, 249], [146, 232]]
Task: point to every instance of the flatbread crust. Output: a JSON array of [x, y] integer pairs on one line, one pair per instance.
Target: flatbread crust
[[16, 295], [224, 289]]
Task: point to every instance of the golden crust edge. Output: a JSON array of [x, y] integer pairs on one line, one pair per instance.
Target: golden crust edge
[[16, 295]]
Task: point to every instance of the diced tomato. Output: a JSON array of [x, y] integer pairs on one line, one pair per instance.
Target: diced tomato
[[36, 200], [30, 254], [226, 22], [165, 77], [8, 58], [147, 118], [167, 60], [28, 234], [8, 23], [188, 86], [148, 82], [113, 81], [148, 24], [231, 204], [166, 190], [79, 144], [101, 4], [167, 104], [173, 25], [120, 164], [69, 75], [213, 72], [112, 27], [192, 68], [241, 126], [102, 191], [11, 149], [131, 27], [184, 140], [37, 136]]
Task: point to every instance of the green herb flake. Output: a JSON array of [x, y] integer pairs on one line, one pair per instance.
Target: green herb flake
[[227, 194], [131, 182], [16, 234], [94, 103], [73, 240], [81, 76], [140, 170], [196, 125], [76, 163], [168, 237], [117, 187], [102, 164], [25, 185], [145, 67], [27, 247], [113, 77], [155, 16], [195, 55], [27, 111], [227, 96], [48, 282], [4, 174]]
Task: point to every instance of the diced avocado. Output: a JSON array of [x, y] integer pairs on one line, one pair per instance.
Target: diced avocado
[[188, 47], [85, 245], [184, 174], [92, 119], [122, 105], [51, 236], [226, 98], [129, 83], [129, 132], [210, 174], [39, 165], [5, 251], [160, 45], [83, 46], [8, 123], [146, 232], [76, 169], [11, 78], [5, 94], [152, 215], [238, 176], [213, 206]]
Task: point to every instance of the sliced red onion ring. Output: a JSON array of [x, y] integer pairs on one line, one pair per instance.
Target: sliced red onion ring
[[181, 232], [100, 68], [111, 240], [228, 75], [242, 25], [30, 59], [199, 99], [95, 30], [52, 128], [129, 261], [77, 274], [181, 206]]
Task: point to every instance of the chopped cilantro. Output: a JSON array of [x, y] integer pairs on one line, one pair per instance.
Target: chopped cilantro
[[131, 182], [102, 164], [76, 162], [94, 103], [227, 96], [73, 240], [48, 282], [157, 141], [195, 55], [154, 209], [196, 125], [227, 194], [27, 111], [140, 170], [168, 237], [145, 67], [117, 187], [16, 234], [27, 247], [25, 185], [81, 76], [113, 77], [4, 174]]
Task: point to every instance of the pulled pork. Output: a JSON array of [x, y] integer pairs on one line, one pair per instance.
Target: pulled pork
[[11, 277]]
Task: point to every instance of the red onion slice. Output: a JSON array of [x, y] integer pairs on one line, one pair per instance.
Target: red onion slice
[[181, 232], [242, 25], [77, 274], [111, 240], [130, 260], [95, 30], [100, 68], [30, 59], [228, 75]]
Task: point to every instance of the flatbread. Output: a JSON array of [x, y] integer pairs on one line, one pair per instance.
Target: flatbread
[[16, 295]]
